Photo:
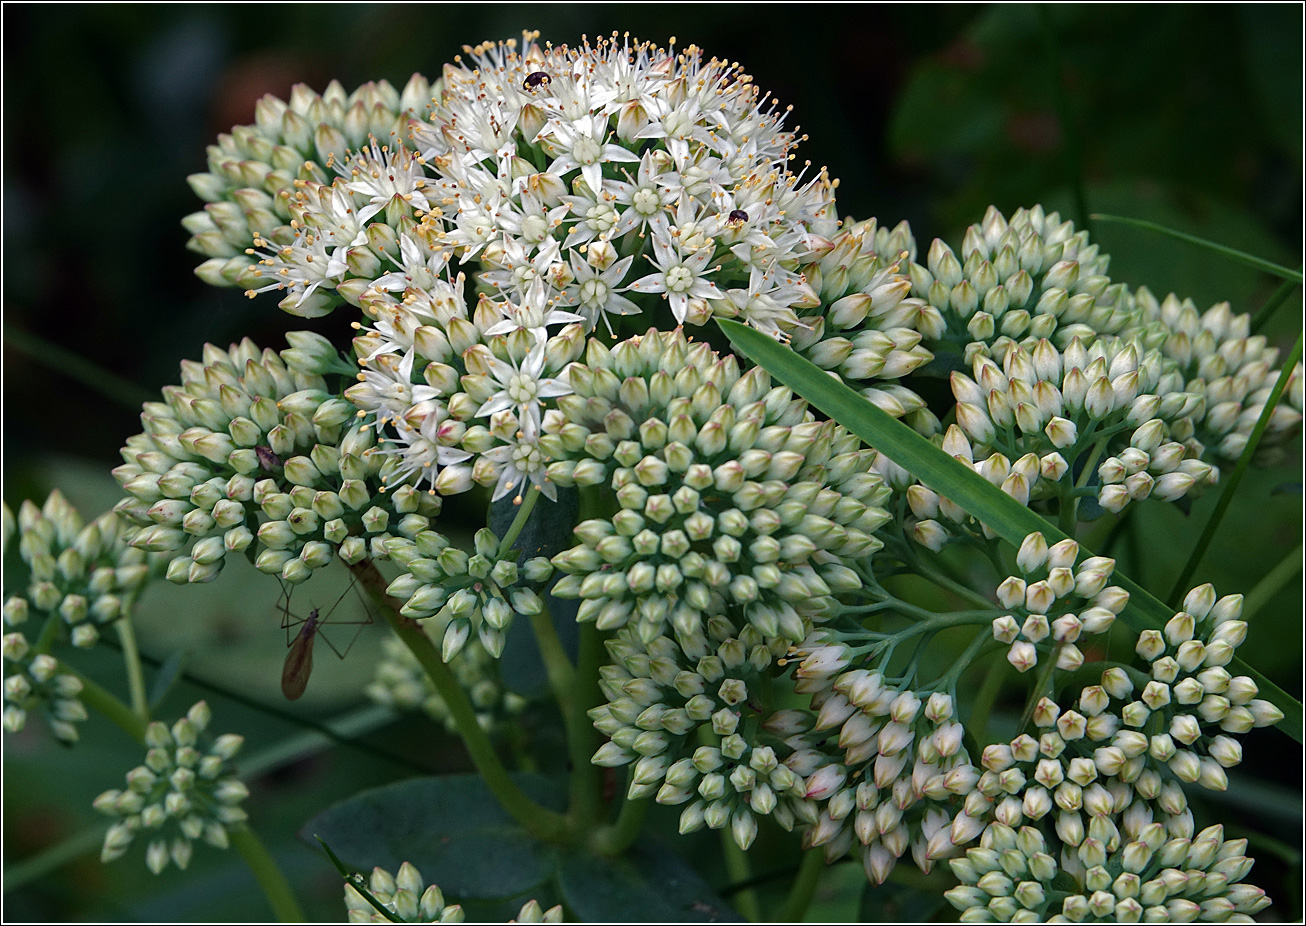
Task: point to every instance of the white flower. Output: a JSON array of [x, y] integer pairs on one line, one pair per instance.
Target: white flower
[[522, 388], [383, 174], [583, 144], [421, 262], [534, 313], [679, 277], [386, 390], [325, 227], [511, 464], [425, 448], [595, 292]]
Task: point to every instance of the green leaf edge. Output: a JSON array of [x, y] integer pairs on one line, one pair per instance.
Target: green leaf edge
[[1242, 257], [1004, 515]]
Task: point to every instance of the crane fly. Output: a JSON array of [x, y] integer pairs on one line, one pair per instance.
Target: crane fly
[[299, 655]]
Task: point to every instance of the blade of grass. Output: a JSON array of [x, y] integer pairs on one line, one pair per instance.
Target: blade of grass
[[55, 857], [1242, 257], [959, 483], [87, 372], [1272, 582], [325, 730], [1277, 298], [1231, 485]]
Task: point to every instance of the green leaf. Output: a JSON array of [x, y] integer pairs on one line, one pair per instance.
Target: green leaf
[[356, 879], [954, 480], [1242, 257], [548, 529], [167, 676], [450, 827], [1231, 482], [648, 884]]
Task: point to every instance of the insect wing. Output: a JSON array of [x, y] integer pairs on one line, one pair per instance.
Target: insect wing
[[299, 663]]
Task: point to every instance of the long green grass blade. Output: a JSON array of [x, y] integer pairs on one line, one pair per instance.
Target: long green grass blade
[[1272, 582], [1242, 257], [1231, 484], [75, 366], [1277, 298], [959, 483]]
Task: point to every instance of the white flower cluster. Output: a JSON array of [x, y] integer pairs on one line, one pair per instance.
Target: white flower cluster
[[1107, 420], [588, 184]]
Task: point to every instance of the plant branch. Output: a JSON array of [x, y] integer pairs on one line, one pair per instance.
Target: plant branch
[[582, 739], [541, 822], [803, 889], [98, 698], [274, 884], [1277, 298], [131, 658], [1272, 582]]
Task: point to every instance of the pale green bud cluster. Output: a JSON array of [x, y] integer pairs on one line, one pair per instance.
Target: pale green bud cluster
[[185, 791], [1233, 370], [254, 171], [732, 500], [34, 681], [404, 894], [408, 899], [1013, 877], [1025, 425], [84, 573], [1120, 756], [865, 330], [1053, 602], [252, 454], [657, 699], [402, 684], [884, 768], [481, 591], [1033, 277]]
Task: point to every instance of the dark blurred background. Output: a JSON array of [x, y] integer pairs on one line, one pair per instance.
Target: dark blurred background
[[1187, 115]]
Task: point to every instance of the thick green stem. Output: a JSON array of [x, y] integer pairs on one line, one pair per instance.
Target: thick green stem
[[74, 366], [541, 822], [804, 887], [37, 866], [98, 698], [981, 706], [1244, 460], [582, 739], [624, 830], [738, 868], [1068, 517], [274, 884], [131, 658], [558, 668], [518, 522], [948, 583]]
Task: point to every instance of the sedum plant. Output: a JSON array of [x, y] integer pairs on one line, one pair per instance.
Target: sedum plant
[[593, 298]]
